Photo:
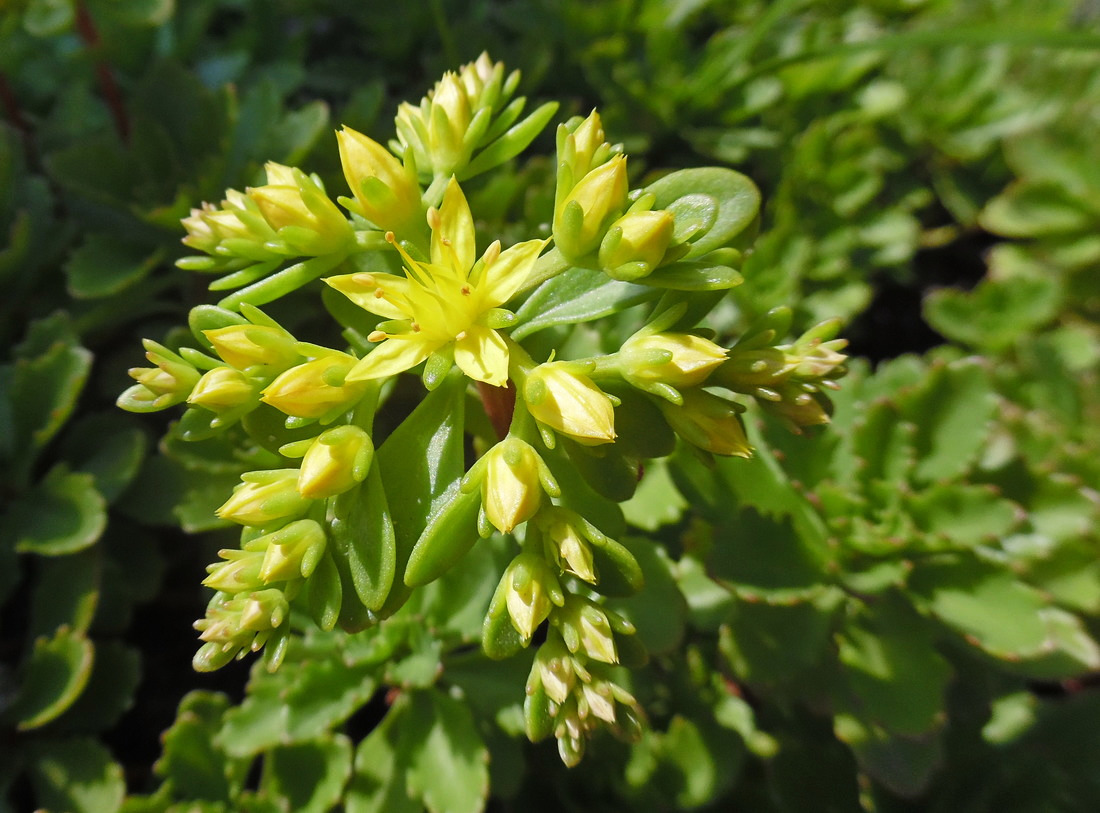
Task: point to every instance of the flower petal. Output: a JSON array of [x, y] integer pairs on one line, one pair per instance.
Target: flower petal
[[455, 231], [506, 275], [363, 290], [395, 355], [483, 355]]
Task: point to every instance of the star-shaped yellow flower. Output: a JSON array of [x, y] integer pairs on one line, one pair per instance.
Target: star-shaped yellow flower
[[442, 305]]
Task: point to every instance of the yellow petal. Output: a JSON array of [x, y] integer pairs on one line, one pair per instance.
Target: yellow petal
[[506, 275], [483, 355], [363, 290], [395, 355], [456, 228]]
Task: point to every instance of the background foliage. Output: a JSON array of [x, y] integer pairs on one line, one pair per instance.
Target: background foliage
[[896, 613]]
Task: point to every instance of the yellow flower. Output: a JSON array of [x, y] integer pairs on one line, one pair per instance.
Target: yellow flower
[[444, 304], [570, 403]]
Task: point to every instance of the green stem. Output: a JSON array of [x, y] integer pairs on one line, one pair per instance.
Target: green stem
[[548, 265]]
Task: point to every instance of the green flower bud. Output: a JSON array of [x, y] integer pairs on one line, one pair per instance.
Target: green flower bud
[[636, 243], [239, 572], [169, 383], [570, 403], [566, 542], [677, 359], [585, 627], [265, 497], [336, 461], [554, 670], [709, 422]]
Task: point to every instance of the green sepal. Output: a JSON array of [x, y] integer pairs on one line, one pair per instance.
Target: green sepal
[[512, 143], [448, 537], [618, 570], [211, 317], [538, 720], [499, 638], [605, 468]]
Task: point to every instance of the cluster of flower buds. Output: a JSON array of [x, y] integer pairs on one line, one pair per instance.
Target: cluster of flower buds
[[255, 231], [169, 383], [786, 379], [569, 696], [466, 113]]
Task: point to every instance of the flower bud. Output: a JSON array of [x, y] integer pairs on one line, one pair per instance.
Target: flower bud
[[570, 403], [167, 384], [293, 200], [531, 589], [222, 389], [553, 670], [387, 194], [511, 491], [450, 117], [585, 627], [636, 243], [239, 572], [314, 389], [293, 551], [590, 207], [265, 497], [234, 234], [244, 346], [678, 359], [566, 545], [709, 422], [264, 610], [337, 460], [583, 145]]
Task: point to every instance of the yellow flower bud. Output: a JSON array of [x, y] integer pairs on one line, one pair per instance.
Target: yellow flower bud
[[244, 346], [293, 551], [709, 422], [636, 243], [511, 491], [222, 389], [446, 131], [315, 389], [553, 669], [678, 359], [586, 140], [570, 404], [336, 460], [531, 589], [387, 194], [585, 627], [265, 497], [599, 197], [292, 199], [170, 382], [239, 572]]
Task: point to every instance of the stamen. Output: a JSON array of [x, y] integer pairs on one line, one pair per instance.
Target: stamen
[[491, 253], [416, 327], [461, 335], [465, 290], [379, 293], [376, 336]]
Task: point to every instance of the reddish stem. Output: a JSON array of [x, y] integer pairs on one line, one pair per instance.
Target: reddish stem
[[499, 404], [107, 85], [14, 113]]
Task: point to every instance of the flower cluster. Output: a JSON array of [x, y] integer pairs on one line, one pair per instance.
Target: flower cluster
[[404, 255]]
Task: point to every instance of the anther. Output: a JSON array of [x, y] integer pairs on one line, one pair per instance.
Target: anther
[[366, 280], [465, 290], [416, 327], [376, 336]]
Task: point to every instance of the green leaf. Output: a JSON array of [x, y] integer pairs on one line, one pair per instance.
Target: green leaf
[[905, 765], [53, 676], [66, 593], [300, 702], [893, 676], [78, 776], [964, 514], [659, 611], [108, 447], [378, 784], [1037, 209], [109, 692], [104, 265], [953, 412], [1069, 651], [309, 776], [448, 761], [297, 132], [419, 463], [365, 540], [657, 502], [719, 202], [63, 514], [449, 536], [325, 593], [577, 295], [194, 766], [48, 18], [983, 603]]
